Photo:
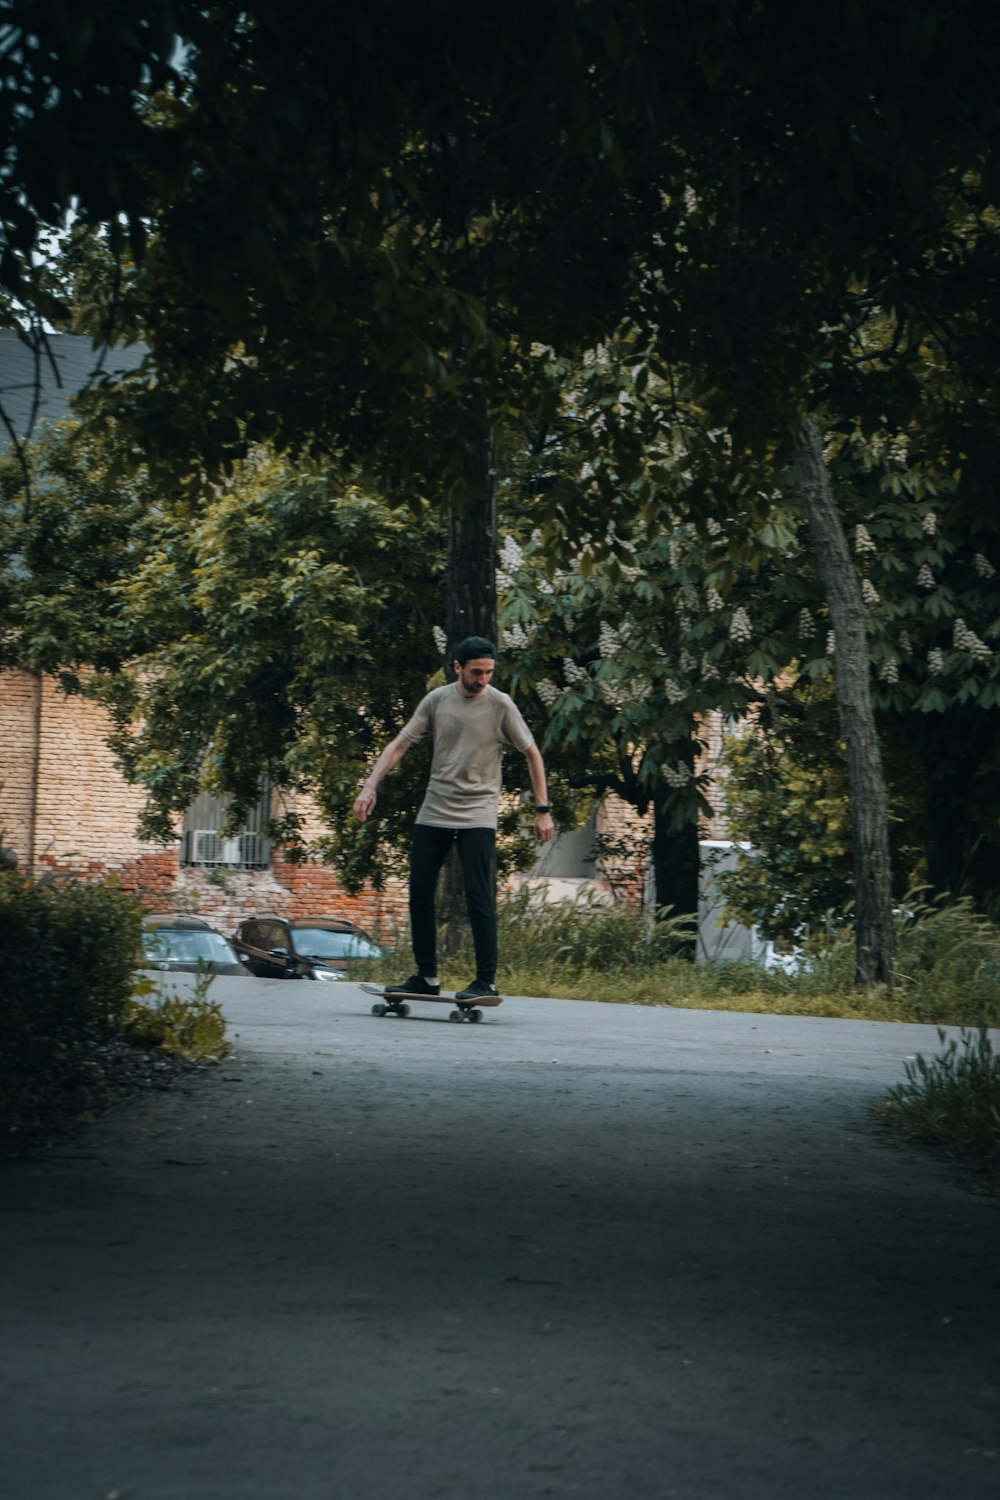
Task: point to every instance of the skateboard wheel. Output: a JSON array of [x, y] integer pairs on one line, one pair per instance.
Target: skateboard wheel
[[456, 1015], [403, 1010], [475, 1015], [379, 1010]]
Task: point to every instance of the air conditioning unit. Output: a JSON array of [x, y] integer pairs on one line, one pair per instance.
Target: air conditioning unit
[[252, 849], [206, 847], [231, 851]]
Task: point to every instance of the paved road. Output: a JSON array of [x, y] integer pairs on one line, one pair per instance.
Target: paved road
[[579, 1250]]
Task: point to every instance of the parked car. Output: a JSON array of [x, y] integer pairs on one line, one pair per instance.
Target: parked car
[[181, 944], [306, 948]]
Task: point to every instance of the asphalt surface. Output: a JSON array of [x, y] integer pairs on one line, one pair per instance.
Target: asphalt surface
[[578, 1250]]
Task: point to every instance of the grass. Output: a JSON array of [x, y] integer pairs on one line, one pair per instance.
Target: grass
[[953, 1101], [948, 965]]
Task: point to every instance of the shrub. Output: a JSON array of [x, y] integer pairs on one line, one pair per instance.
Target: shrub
[[69, 953]]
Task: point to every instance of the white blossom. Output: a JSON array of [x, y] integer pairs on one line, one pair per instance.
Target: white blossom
[[674, 692], [607, 641], [740, 628], [440, 639], [905, 644], [690, 200], [514, 639], [869, 593], [573, 673], [709, 670], [676, 776], [688, 662], [807, 625], [547, 691], [983, 566], [862, 540], [676, 550], [503, 581], [899, 449], [925, 578], [965, 639], [714, 600], [929, 524], [511, 556], [935, 660], [831, 642], [889, 670], [713, 527]]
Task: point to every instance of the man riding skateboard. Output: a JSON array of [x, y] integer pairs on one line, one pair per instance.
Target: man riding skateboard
[[470, 722]]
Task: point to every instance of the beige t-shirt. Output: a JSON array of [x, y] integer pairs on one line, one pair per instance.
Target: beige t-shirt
[[469, 735]]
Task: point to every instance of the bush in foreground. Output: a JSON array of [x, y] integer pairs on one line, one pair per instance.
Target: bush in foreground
[[76, 1030], [69, 953]]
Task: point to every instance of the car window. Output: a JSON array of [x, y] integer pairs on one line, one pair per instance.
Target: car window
[[187, 945], [320, 942], [273, 935], [264, 935]]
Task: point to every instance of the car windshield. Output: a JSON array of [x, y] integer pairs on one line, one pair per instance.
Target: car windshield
[[186, 945], [320, 942]]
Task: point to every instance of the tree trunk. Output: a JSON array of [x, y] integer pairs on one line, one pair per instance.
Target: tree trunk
[[471, 606], [874, 931], [472, 539], [675, 867], [953, 746]]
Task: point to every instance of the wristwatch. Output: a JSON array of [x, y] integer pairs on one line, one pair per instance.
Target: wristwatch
[[541, 807]]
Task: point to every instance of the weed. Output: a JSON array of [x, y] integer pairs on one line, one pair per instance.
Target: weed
[[194, 1028], [953, 1100]]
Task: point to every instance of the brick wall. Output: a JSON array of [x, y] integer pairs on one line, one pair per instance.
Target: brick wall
[[85, 820]]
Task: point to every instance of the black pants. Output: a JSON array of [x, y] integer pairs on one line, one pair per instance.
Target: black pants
[[477, 853]]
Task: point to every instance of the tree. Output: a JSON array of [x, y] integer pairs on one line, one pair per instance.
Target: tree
[[344, 201]]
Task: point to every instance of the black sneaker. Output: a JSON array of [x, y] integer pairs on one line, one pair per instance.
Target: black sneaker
[[479, 989], [417, 985]]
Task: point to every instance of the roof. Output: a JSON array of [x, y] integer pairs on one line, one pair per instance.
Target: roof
[[171, 919], [75, 360]]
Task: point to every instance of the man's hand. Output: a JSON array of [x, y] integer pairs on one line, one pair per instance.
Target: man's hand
[[364, 803], [544, 827]]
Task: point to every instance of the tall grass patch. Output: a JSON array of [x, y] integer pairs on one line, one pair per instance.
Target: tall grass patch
[[948, 964], [953, 1100]]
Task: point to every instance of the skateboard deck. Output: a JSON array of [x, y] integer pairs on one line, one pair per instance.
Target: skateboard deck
[[397, 1005]]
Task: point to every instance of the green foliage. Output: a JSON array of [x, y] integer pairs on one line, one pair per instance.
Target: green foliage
[[69, 953], [786, 795], [948, 963], [949, 959], [192, 1028], [953, 1100]]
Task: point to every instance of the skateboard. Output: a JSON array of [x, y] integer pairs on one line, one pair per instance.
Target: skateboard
[[395, 1005]]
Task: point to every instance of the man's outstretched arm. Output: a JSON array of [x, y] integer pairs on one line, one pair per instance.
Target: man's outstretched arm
[[393, 753], [544, 826]]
